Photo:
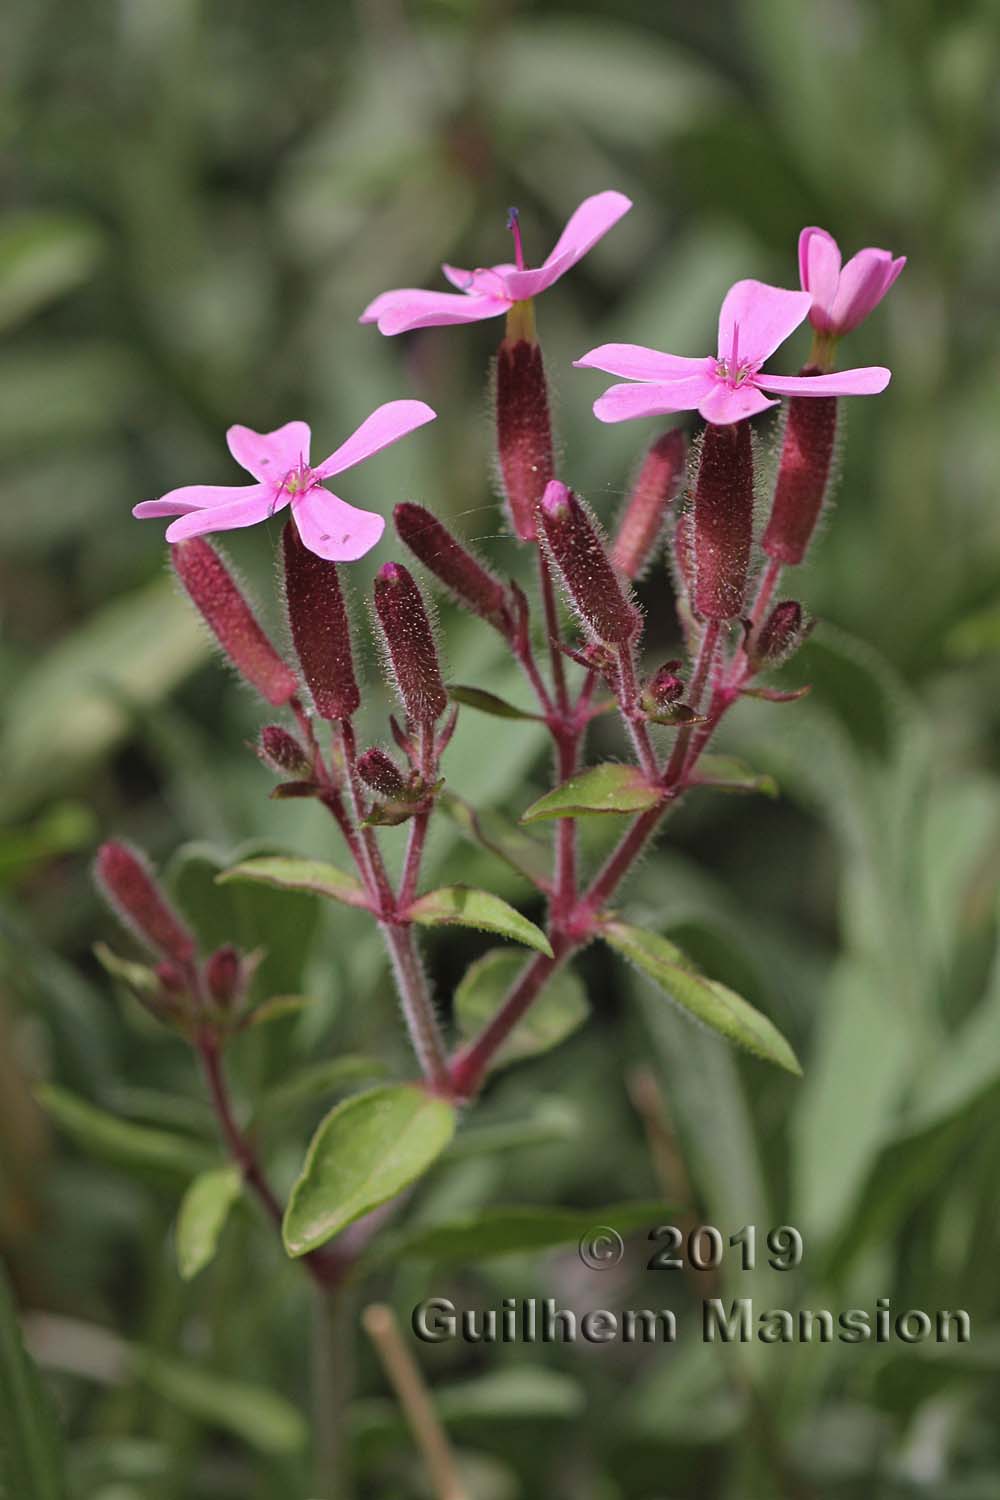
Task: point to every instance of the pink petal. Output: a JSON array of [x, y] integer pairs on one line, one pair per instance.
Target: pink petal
[[407, 308], [635, 362], [387, 424], [726, 403], [246, 512], [485, 281], [623, 403], [864, 281], [195, 497], [270, 455], [333, 529], [590, 223], [869, 380], [819, 268], [762, 316]]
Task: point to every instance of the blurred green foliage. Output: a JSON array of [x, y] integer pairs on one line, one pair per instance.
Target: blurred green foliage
[[200, 198]]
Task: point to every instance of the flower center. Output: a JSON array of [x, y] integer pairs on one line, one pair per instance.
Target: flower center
[[734, 375], [298, 481]]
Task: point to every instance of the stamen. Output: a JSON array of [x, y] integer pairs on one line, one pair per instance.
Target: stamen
[[734, 358], [514, 225]]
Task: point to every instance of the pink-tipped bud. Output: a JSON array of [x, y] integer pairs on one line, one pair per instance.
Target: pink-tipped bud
[[578, 550], [282, 751], [409, 640], [132, 890], [665, 687], [780, 636], [213, 590], [803, 476], [461, 572], [524, 431], [224, 975], [723, 521], [654, 491], [381, 773], [320, 628]]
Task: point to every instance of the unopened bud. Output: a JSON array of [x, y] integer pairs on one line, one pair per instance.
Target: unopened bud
[[781, 634], [723, 521], [213, 590], [381, 773], [665, 687], [224, 974], [409, 640], [282, 751], [172, 979], [461, 572], [578, 550], [655, 489], [524, 431], [132, 890], [803, 475], [320, 628]]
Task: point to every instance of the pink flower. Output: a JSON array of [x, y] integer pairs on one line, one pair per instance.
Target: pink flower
[[279, 462], [754, 320], [491, 291], [843, 297]]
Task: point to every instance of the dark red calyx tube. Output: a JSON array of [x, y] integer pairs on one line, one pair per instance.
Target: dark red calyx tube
[[723, 521], [524, 426], [454, 565], [133, 892], [780, 636], [282, 751], [321, 629], [578, 550], [803, 475], [409, 641], [214, 592], [380, 772], [656, 487], [224, 975]]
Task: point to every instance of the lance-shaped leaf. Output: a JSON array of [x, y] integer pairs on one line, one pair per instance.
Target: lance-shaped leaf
[[706, 999], [609, 788], [32, 1462], [727, 774], [121, 1142], [512, 1231], [525, 854], [202, 1216], [560, 1008], [487, 703], [463, 906], [367, 1150], [299, 875]]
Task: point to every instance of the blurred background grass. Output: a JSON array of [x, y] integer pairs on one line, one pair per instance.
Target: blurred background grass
[[199, 200]]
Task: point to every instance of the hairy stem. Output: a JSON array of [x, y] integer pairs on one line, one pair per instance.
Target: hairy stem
[[418, 1007]]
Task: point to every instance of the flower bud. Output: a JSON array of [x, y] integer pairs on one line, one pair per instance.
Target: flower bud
[[282, 751], [381, 773], [723, 521], [224, 975], [172, 980], [781, 634], [130, 887], [409, 640], [654, 490], [665, 687], [524, 431], [577, 548], [320, 628], [803, 475], [204, 574], [461, 572]]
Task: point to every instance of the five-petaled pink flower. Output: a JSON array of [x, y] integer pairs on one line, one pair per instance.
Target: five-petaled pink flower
[[754, 320], [491, 291], [842, 297], [279, 462]]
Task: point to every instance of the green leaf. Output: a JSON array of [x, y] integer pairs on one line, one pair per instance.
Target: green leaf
[[298, 875], [31, 1451], [487, 703], [460, 905], [527, 1391], [123, 1144], [560, 1008], [202, 1216], [136, 977], [551, 1122], [366, 1150], [727, 774], [510, 1231], [610, 788], [277, 1008], [316, 1080], [261, 1418], [707, 1000], [42, 256], [492, 831]]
